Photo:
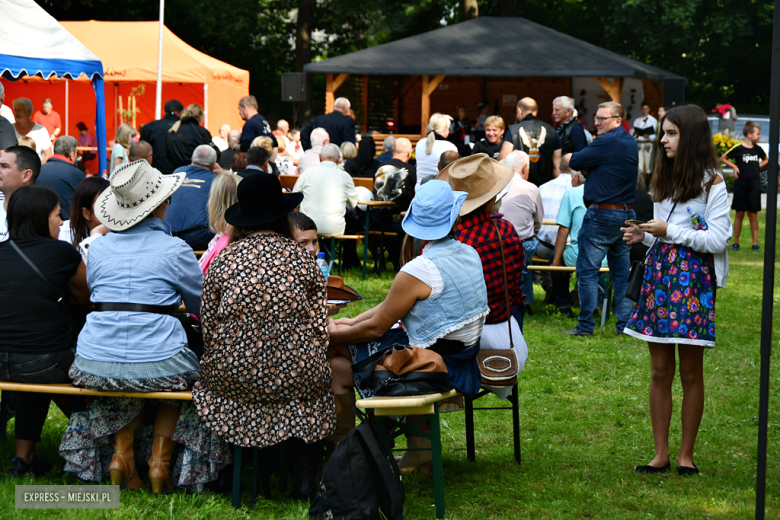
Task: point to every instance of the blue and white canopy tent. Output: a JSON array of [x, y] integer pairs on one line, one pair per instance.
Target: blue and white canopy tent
[[33, 43]]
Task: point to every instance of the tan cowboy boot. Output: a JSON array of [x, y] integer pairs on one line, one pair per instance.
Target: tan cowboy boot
[[122, 466], [411, 460], [160, 464]]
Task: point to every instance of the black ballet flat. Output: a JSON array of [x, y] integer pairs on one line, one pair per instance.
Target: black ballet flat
[[652, 470], [687, 470]]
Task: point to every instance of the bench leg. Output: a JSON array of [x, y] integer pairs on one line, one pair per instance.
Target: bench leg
[[365, 240], [283, 469], [515, 398], [438, 472], [469, 409], [237, 477]]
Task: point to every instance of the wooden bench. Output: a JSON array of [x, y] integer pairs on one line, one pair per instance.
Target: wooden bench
[[379, 140], [572, 269], [385, 408], [67, 389], [288, 181], [427, 406]]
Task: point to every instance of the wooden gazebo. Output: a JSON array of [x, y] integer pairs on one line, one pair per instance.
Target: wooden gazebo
[[396, 86]]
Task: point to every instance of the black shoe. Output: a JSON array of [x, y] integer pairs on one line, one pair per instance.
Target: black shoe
[[576, 331], [566, 312], [37, 467], [651, 470], [528, 311], [687, 470], [305, 461]]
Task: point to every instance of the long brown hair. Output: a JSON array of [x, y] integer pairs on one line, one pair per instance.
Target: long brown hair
[[680, 178]]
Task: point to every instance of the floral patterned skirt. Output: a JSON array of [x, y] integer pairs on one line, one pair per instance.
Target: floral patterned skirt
[[87, 445], [677, 303]]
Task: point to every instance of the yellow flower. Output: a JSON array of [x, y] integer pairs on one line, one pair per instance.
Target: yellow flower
[[715, 140], [731, 143]]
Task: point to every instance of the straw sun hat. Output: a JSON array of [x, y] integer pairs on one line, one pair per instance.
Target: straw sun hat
[[136, 190], [479, 176]]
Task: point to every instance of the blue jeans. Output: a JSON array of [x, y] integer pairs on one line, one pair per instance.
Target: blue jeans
[[600, 236], [529, 246]]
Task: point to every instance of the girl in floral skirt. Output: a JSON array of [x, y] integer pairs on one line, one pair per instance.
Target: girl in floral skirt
[[686, 264]]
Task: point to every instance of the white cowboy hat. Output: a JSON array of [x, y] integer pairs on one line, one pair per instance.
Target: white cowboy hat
[[136, 190]]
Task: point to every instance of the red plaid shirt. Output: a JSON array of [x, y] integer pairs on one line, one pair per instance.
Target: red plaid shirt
[[477, 231]]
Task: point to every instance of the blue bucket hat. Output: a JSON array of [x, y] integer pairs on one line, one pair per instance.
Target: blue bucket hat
[[433, 211]]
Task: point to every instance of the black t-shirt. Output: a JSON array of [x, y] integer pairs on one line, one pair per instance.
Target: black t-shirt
[[398, 180], [747, 160], [486, 147], [31, 321]]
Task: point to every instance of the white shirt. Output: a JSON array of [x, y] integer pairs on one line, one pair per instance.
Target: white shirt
[[40, 135], [8, 113], [426, 271], [428, 164], [522, 206], [327, 190], [715, 211], [310, 158], [646, 122], [552, 194]]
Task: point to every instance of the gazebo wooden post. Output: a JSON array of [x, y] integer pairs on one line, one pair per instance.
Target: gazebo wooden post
[[428, 86], [614, 89], [654, 93], [331, 86]]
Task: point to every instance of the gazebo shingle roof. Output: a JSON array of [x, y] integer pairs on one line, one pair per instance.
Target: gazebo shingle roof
[[490, 46]]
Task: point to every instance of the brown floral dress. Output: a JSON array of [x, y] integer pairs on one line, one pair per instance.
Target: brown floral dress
[[265, 376]]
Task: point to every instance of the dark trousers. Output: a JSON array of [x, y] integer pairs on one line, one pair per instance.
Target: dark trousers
[[31, 408]]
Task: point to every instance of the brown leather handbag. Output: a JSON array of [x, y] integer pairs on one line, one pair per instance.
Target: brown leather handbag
[[499, 367], [403, 370]]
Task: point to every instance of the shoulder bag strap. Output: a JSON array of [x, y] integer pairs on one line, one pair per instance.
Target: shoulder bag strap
[[656, 239], [60, 299], [506, 285]]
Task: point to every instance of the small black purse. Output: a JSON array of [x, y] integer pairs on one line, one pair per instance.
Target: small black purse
[[637, 275]]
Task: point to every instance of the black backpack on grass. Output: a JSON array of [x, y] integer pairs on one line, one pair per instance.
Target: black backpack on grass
[[359, 483]]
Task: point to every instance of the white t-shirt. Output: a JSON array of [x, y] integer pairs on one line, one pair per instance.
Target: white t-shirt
[[327, 191], [646, 122], [426, 271], [8, 113], [428, 164], [40, 135], [118, 151]]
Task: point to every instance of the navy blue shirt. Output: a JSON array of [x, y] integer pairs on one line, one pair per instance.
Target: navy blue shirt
[[188, 204], [61, 176], [255, 127], [612, 161]]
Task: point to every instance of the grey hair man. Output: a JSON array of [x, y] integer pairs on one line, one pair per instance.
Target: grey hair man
[[5, 111], [327, 193], [339, 125], [61, 174], [569, 130], [319, 137], [522, 206], [387, 149], [187, 213]]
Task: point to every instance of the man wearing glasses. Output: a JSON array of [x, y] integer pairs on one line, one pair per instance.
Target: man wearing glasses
[[610, 164]]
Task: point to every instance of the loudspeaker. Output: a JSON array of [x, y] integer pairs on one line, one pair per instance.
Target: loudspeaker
[[674, 92], [293, 86]]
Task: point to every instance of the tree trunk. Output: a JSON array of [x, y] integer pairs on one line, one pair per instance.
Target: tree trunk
[[470, 9], [507, 8], [303, 56]]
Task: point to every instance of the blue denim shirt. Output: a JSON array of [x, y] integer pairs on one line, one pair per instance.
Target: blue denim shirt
[[145, 265], [463, 299]]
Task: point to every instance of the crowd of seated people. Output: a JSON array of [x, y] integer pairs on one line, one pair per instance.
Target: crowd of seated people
[[273, 367]]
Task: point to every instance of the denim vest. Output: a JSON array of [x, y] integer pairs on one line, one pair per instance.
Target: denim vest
[[462, 300]]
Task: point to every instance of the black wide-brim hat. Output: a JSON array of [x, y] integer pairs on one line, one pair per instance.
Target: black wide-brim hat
[[261, 201]]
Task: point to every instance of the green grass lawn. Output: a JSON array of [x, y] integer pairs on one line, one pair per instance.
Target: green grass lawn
[[585, 426]]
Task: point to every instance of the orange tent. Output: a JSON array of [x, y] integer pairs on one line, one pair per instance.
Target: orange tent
[[128, 51]]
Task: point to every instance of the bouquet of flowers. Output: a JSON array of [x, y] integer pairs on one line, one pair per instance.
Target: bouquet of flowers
[[724, 143], [722, 109]]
